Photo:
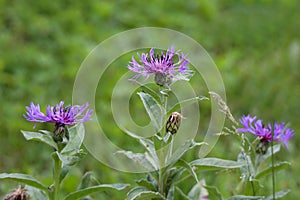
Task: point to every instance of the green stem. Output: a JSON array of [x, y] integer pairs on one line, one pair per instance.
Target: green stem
[[56, 176], [164, 102], [273, 172]]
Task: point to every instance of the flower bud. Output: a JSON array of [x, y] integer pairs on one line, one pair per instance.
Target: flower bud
[[173, 122]]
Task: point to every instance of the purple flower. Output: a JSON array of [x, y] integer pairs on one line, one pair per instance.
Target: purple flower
[[256, 127], [59, 114], [166, 67]]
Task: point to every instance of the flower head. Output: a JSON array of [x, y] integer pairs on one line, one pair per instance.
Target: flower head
[[166, 67], [59, 114], [255, 126]]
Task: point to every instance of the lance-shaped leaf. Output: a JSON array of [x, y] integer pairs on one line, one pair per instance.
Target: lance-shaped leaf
[[99, 188], [278, 195], [143, 159], [277, 167], [247, 170], [142, 193], [186, 102], [25, 179], [153, 109], [213, 193], [215, 163], [188, 167], [198, 192], [244, 197], [181, 150], [36, 136], [149, 145]]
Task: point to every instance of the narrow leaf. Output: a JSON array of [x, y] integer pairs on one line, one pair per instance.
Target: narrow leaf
[[277, 167], [85, 180], [142, 193], [143, 160], [186, 102], [247, 170], [188, 167], [147, 184], [25, 179], [153, 109], [278, 195], [99, 188], [276, 149], [181, 150], [182, 193], [149, 145], [36, 136], [213, 193], [213, 163], [171, 192], [243, 197], [198, 192]]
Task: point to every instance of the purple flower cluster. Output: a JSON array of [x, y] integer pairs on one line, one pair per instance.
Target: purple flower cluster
[[59, 114], [171, 64], [255, 126]]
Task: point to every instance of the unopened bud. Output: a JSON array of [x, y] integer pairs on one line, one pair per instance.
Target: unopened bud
[[173, 122]]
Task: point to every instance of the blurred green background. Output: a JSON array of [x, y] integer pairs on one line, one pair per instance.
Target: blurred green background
[[255, 44]]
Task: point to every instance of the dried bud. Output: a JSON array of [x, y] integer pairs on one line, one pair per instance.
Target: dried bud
[[173, 122], [17, 194]]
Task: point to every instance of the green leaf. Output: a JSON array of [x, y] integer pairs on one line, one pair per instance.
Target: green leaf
[[142, 193], [171, 175], [25, 179], [247, 185], [181, 150], [171, 192], [188, 167], [85, 180], [186, 102], [213, 192], [143, 159], [99, 188], [247, 170], [153, 109], [276, 149], [182, 194], [198, 192], [241, 197], [147, 184], [76, 136], [149, 145], [36, 136], [214, 163], [35, 193], [278, 195], [277, 167]]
